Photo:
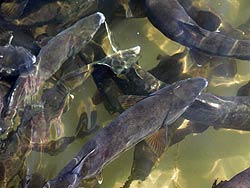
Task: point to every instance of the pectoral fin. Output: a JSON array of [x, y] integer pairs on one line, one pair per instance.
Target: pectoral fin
[[128, 101], [157, 141]]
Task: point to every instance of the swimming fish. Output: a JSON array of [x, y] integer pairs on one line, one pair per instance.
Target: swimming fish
[[133, 125], [175, 23], [220, 112]]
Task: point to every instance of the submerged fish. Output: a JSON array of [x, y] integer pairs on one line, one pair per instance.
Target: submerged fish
[[10, 65], [51, 57], [206, 19], [158, 110], [241, 180], [244, 90], [13, 9], [172, 20], [220, 112]]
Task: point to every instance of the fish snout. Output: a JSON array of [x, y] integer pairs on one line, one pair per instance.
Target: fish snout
[[91, 24], [190, 88]]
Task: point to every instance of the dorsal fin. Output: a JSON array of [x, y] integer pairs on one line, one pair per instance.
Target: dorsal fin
[[157, 141], [127, 101]]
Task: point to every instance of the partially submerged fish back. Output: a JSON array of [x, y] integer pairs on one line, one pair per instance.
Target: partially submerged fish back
[[183, 94]]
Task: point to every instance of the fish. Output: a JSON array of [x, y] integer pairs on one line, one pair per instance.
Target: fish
[[129, 128], [218, 66], [150, 150], [241, 180], [220, 112], [51, 57], [18, 36], [170, 68], [230, 112], [205, 18], [173, 21], [10, 65], [244, 90], [13, 9]]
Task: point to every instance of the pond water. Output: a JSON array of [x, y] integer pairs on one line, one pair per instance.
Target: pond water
[[194, 162]]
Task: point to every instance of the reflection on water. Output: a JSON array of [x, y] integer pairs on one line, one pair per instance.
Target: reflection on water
[[199, 159]]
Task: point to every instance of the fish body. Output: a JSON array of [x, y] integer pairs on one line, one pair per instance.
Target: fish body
[[133, 125], [10, 65], [220, 112], [244, 90], [174, 22], [51, 57]]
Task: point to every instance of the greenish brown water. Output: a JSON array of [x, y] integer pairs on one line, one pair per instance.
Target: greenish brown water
[[193, 163]]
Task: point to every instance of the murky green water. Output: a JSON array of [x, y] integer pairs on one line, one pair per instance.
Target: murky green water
[[193, 163]]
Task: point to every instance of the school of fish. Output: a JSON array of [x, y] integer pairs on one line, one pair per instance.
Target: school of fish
[[50, 48]]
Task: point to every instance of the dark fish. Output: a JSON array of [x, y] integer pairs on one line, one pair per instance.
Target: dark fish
[[244, 90], [143, 162], [13, 9], [170, 68], [21, 36], [219, 66], [11, 65], [174, 22], [241, 180], [132, 126], [51, 57], [220, 112], [55, 16], [208, 109], [206, 19], [56, 11]]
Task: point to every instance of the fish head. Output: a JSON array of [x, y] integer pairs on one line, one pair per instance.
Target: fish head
[[179, 96], [91, 24]]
